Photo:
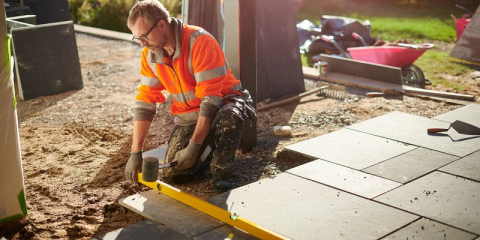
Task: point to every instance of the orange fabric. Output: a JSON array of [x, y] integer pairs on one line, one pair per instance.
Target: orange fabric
[[206, 54]]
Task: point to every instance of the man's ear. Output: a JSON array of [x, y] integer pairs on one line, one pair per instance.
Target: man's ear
[[162, 23]]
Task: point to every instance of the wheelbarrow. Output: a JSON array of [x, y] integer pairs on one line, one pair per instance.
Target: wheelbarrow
[[402, 56]]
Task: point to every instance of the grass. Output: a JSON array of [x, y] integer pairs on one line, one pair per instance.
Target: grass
[[416, 22], [413, 29]]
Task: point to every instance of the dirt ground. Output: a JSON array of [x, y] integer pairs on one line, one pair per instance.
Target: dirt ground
[[74, 145]]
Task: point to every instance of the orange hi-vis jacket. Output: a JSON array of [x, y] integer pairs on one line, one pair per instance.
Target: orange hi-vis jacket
[[197, 76]]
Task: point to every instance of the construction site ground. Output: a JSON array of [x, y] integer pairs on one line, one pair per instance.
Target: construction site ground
[[75, 144]]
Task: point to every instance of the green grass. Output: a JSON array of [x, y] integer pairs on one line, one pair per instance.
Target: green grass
[[437, 65], [418, 23], [413, 29]]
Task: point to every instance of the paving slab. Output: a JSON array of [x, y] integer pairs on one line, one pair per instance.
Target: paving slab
[[412, 129], [428, 229], [170, 212], [146, 230], [411, 165], [302, 209], [158, 152], [468, 167], [351, 148], [442, 197], [225, 232], [346, 179], [469, 113], [53, 58]]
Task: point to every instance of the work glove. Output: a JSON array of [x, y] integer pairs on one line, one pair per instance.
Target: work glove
[[186, 157], [134, 165]]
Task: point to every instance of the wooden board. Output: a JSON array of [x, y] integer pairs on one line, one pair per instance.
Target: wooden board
[[375, 72], [349, 80], [46, 59]]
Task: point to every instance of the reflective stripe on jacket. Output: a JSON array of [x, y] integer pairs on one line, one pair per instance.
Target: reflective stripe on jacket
[[198, 73]]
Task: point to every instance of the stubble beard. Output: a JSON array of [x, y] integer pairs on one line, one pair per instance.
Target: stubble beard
[[158, 48]]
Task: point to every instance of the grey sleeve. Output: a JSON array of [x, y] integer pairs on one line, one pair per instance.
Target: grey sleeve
[[144, 111], [208, 110]]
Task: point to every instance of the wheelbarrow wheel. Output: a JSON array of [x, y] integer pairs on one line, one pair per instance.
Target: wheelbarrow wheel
[[413, 76]]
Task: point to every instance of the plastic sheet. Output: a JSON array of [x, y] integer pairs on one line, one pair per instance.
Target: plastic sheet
[[12, 198], [339, 28]]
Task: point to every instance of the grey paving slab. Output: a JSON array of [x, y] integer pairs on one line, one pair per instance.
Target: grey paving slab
[[56, 49], [411, 165], [302, 209], [351, 148], [146, 230], [171, 213], [428, 229], [412, 129], [442, 197], [225, 232], [344, 178], [469, 113], [468, 167], [158, 152]]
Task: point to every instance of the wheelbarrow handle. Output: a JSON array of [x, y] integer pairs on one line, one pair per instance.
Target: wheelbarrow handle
[[326, 38], [436, 130], [356, 35]]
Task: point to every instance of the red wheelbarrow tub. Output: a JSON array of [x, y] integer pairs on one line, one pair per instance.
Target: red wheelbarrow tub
[[394, 56]]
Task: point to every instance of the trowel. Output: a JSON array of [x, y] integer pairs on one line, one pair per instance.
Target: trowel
[[460, 127]]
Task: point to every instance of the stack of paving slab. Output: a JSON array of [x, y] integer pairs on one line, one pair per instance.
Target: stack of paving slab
[[384, 178]]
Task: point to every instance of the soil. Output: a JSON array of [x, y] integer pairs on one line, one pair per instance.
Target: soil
[[75, 144]]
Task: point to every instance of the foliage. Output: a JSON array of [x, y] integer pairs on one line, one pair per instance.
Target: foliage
[[110, 14]]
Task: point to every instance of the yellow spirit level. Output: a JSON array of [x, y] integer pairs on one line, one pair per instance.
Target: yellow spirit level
[[212, 210]]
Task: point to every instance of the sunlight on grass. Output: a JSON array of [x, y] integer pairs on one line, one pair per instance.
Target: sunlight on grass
[[413, 29], [437, 64]]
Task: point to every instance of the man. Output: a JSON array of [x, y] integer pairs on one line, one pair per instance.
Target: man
[[209, 104]]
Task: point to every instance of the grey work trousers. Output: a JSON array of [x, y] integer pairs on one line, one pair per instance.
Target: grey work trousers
[[218, 149]]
